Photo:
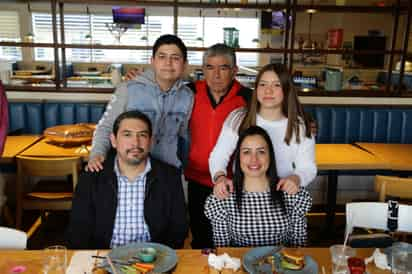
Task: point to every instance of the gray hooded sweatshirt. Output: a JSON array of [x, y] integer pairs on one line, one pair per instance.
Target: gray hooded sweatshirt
[[168, 111]]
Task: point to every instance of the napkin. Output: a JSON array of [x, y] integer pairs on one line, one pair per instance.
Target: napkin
[[82, 262], [380, 259], [223, 261]]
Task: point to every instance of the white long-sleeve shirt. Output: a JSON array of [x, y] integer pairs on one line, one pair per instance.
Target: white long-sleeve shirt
[[293, 159]]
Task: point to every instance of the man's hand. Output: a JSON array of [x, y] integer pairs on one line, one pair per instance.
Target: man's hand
[[133, 73], [223, 187], [95, 164], [290, 184]]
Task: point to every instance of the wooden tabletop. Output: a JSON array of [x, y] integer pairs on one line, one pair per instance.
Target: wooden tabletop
[[189, 260], [346, 157], [45, 149], [396, 156], [14, 145]]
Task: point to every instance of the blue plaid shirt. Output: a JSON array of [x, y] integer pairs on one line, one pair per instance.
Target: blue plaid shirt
[[129, 224]]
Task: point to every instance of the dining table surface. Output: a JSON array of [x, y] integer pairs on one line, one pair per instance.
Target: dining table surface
[[189, 261], [346, 157], [44, 148], [14, 145], [395, 156]]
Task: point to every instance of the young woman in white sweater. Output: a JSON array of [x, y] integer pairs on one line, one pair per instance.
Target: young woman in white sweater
[[276, 108]]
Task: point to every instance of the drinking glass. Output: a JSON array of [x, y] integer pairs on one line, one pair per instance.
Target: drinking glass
[[340, 257], [401, 258], [55, 258]]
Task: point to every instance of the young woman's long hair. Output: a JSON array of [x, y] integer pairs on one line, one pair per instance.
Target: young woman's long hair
[[271, 173], [291, 107]]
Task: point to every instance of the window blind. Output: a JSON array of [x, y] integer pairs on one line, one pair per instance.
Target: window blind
[[10, 32]]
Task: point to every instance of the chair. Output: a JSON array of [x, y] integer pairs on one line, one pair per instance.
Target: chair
[[374, 215], [12, 238], [393, 186], [28, 167]]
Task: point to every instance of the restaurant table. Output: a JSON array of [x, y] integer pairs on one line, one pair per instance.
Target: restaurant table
[[15, 145], [45, 149], [190, 261], [396, 156], [335, 157]]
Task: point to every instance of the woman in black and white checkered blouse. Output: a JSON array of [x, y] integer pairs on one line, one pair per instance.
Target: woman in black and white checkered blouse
[[256, 214]]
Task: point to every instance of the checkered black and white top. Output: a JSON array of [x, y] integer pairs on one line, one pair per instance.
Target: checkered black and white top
[[129, 224], [259, 222]]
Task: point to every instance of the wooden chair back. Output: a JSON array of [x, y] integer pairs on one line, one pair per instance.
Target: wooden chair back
[[393, 186], [28, 167]]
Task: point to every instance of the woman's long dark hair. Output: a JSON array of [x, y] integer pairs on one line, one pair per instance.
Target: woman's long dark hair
[[271, 173]]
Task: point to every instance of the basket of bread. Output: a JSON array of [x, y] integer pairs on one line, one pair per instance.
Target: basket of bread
[[70, 135]]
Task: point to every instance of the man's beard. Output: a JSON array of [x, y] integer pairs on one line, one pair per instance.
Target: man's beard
[[137, 159]]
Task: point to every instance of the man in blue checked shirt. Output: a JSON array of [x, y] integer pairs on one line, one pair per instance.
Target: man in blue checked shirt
[[135, 198]]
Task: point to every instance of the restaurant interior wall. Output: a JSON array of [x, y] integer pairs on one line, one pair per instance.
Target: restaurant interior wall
[[352, 23]]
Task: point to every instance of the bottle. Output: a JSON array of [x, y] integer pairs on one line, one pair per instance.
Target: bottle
[[116, 76]]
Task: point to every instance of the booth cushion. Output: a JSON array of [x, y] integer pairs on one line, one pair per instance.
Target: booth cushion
[[336, 124], [33, 118], [362, 124]]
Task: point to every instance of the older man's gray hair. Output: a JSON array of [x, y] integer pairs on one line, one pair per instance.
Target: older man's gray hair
[[220, 50]]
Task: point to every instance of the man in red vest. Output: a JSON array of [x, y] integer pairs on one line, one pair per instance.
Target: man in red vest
[[215, 97]]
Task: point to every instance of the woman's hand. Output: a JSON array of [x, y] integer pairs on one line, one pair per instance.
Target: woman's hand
[[223, 187], [290, 184], [95, 164]]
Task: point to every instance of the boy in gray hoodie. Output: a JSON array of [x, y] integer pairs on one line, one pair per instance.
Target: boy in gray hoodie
[[160, 94]]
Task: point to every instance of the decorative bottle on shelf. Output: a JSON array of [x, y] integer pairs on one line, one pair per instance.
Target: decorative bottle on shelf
[[116, 75]]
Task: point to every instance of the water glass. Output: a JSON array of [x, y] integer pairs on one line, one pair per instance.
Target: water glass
[[55, 259], [340, 257], [401, 260]]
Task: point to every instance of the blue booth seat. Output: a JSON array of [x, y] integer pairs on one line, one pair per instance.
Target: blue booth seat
[[26, 118], [336, 124], [33, 118], [71, 113], [367, 124]]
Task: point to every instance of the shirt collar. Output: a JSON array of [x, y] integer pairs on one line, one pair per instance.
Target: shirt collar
[[141, 176], [212, 99]]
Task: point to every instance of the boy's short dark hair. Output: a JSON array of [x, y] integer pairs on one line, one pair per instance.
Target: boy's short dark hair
[[170, 39], [132, 114]]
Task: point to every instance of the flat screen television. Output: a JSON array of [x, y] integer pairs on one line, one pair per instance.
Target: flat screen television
[[369, 43], [273, 20], [128, 15]]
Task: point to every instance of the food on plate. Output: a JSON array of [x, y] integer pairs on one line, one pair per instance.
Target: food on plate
[[292, 259], [144, 267], [99, 270]]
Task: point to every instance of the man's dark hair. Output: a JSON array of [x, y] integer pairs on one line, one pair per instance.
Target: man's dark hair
[[132, 114], [169, 39]]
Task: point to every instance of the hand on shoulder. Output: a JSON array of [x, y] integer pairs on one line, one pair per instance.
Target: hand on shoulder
[[95, 164], [223, 187], [289, 184]]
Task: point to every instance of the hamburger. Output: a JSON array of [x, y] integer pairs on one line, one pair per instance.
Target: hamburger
[[292, 259]]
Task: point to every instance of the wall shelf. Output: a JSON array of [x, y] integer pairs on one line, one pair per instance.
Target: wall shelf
[[288, 48]]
